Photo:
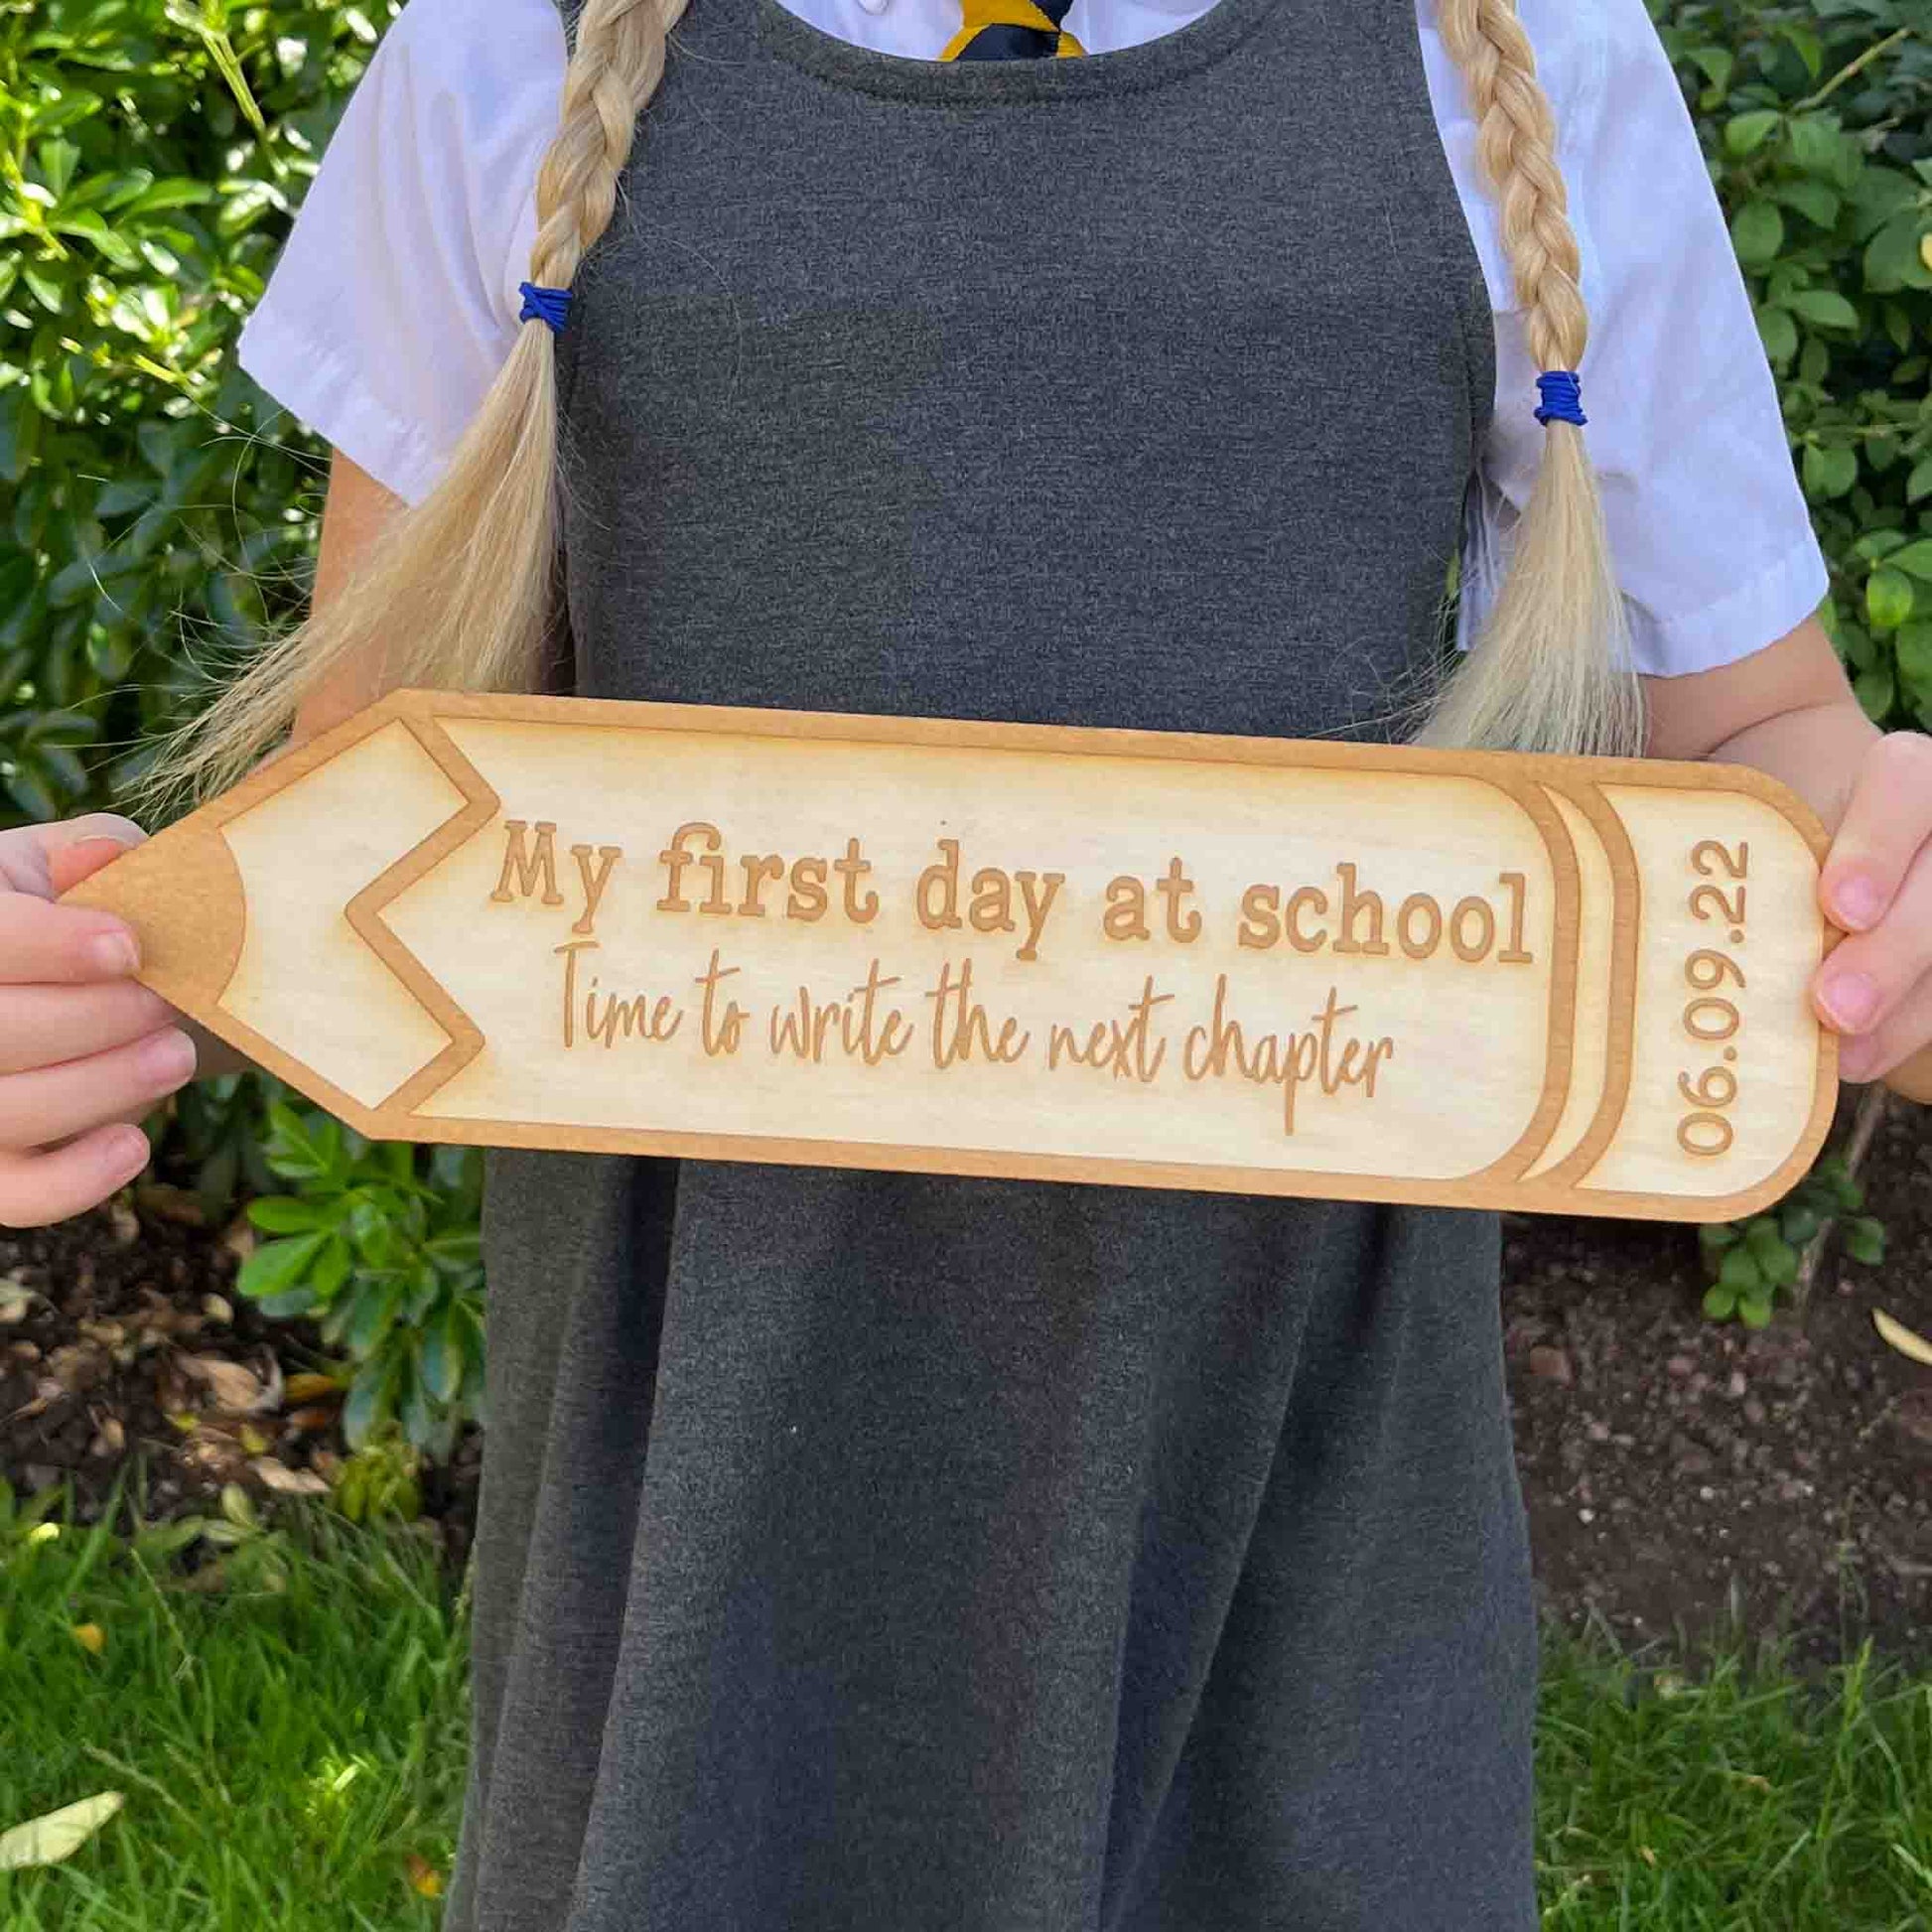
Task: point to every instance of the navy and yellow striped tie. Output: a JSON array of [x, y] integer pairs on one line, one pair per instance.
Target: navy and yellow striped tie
[[1012, 30]]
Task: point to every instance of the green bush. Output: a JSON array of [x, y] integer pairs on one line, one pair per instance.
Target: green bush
[[380, 1244], [159, 512], [1818, 122]]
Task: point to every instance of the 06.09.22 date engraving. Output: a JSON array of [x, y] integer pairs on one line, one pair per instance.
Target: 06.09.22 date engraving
[[1708, 1017]]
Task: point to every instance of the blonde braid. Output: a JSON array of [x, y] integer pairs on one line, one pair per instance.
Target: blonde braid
[[1550, 671], [456, 591]]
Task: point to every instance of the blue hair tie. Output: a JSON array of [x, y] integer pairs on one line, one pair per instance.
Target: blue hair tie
[[548, 306], [1563, 395]]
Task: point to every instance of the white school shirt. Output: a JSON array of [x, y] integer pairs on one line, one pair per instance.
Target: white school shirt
[[395, 301]]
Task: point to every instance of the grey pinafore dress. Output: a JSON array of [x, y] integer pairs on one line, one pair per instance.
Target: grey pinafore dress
[[876, 1552]]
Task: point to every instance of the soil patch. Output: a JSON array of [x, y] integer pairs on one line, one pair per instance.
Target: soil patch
[[126, 1356], [1684, 1479]]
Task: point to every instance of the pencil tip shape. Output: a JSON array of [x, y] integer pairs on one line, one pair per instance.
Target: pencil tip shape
[[183, 898]]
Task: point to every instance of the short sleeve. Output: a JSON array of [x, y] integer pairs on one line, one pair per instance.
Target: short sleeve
[[1709, 534], [394, 302]]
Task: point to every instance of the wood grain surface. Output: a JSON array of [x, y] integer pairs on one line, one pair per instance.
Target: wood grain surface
[[1256, 965]]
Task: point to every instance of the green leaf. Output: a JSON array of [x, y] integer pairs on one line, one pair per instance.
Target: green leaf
[[286, 1214], [369, 1403], [58, 161], [1918, 485], [376, 1306], [1719, 1301], [89, 225], [177, 190], [1805, 42], [1714, 1237], [1739, 1271], [1894, 257], [1755, 1310], [441, 1362], [1912, 649], [1716, 64], [332, 1268], [289, 1303], [1875, 692], [1757, 233], [1744, 134], [20, 424], [1864, 1239], [1778, 333], [1830, 470], [459, 1250], [1887, 599], [1812, 198], [1800, 1222], [277, 1265], [1915, 559], [1816, 145], [1825, 309]]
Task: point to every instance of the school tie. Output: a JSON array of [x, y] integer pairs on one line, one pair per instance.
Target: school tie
[[1012, 30]]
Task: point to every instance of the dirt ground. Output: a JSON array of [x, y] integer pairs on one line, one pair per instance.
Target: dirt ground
[[1679, 1476]]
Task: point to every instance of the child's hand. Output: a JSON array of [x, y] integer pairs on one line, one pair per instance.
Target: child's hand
[[1875, 988], [84, 1050]]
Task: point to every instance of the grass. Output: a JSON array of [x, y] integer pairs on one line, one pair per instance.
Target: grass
[[291, 1751], [291, 1756], [1741, 1800]]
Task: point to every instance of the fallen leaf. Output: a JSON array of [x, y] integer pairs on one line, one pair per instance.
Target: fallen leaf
[[168, 1203], [90, 1636], [14, 1304], [218, 1310], [423, 1876], [110, 1438], [253, 1440], [279, 1476], [125, 1223], [47, 1392], [211, 1454], [1906, 1340], [76, 1365], [309, 1387], [56, 1835], [234, 1388]]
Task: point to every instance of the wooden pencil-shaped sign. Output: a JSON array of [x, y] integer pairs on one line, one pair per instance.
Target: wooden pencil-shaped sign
[[1267, 966]]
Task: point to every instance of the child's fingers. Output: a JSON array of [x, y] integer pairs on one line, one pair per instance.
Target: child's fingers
[[1893, 1042], [1888, 820], [69, 865], [39, 1189], [70, 944], [41, 1026], [1865, 977], [27, 852], [48, 1103]]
